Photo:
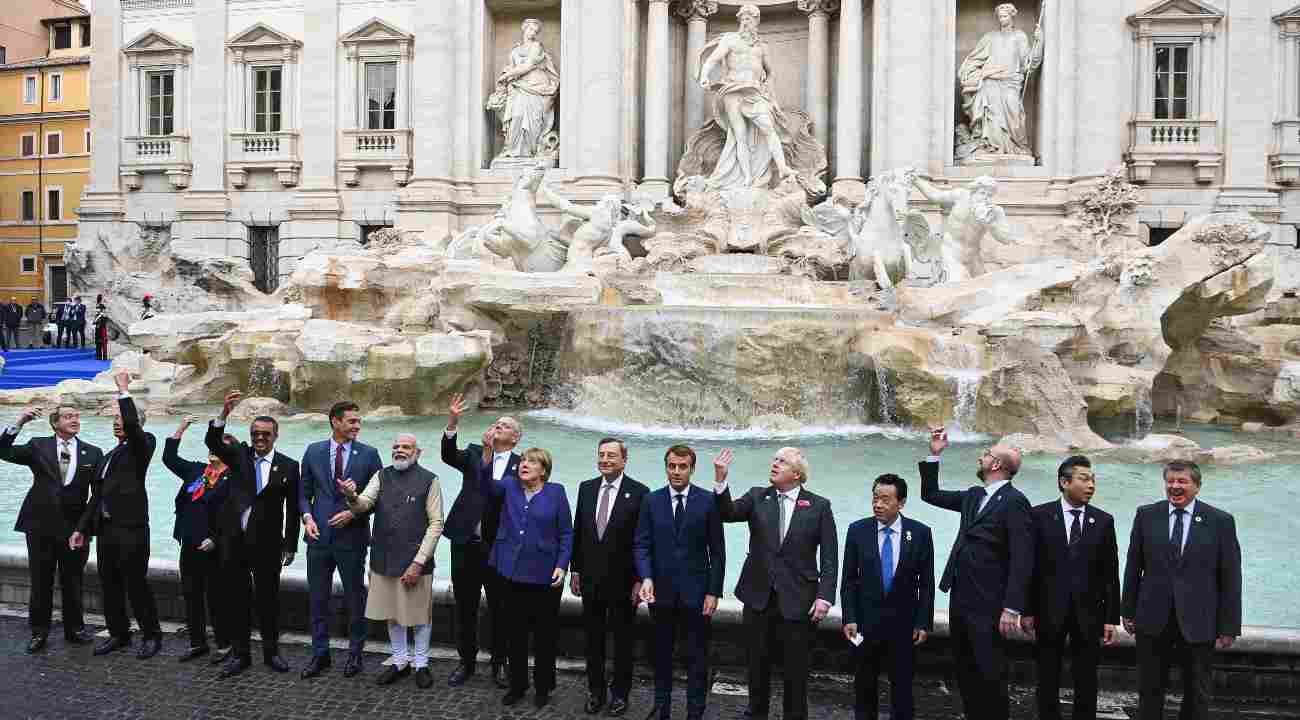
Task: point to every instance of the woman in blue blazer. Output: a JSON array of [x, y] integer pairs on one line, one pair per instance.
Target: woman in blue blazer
[[199, 499], [531, 554]]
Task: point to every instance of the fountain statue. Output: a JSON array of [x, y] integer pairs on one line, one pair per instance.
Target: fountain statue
[[993, 78], [524, 101], [887, 237], [969, 215], [602, 229]]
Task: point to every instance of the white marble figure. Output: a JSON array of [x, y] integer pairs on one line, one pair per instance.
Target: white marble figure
[[524, 99], [884, 231], [992, 79], [969, 215], [750, 142], [516, 232], [603, 229]]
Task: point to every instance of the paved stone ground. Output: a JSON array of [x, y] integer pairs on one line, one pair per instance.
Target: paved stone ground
[[68, 682]]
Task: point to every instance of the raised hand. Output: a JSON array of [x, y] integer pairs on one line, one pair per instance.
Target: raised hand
[[722, 466], [29, 414], [232, 399], [454, 411], [938, 440], [123, 380]]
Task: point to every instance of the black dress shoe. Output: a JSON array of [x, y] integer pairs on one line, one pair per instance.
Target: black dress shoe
[[512, 697], [540, 699], [317, 665], [194, 652], [462, 673], [500, 677], [112, 644], [423, 678], [222, 655], [617, 706], [234, 666], [149, 648], [353, 666], [658, 712], [80, 637], [37, 643], [392, 674], [594, 703], [277, 663]]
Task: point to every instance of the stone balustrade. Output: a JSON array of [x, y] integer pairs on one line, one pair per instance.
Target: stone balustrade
[[164, 154], [385, 149], [278, 152], [1194, 142], [1285, 158]]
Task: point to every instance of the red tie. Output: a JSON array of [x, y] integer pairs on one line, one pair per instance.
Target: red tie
[[338, 464]]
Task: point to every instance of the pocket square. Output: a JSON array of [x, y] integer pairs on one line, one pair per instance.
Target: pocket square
[[803, 503]]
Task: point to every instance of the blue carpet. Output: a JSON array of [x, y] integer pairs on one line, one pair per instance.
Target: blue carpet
[[49, 366]]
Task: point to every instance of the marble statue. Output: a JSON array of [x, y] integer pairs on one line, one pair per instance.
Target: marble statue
[[969, 215], [516, 232], [993, 78], [886, 235], [602, 229], [751, 141], [524, 99]]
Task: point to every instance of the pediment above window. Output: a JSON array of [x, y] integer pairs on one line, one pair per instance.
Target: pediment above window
[[263, 41], [375, 30], [154, 47], [1185, 16]]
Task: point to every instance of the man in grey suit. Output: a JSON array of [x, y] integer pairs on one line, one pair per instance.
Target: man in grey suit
[[1182, 592]]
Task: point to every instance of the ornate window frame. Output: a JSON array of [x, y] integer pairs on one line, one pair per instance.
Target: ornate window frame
[[261, 46], [375, 41], [1284, 156], [154, 51]]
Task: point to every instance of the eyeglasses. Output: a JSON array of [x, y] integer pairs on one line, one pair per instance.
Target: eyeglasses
[[261, 433]]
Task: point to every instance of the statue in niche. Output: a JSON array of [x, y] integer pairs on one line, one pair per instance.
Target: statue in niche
[[524, 101], [993, 78], [751, 142], [969, 215]]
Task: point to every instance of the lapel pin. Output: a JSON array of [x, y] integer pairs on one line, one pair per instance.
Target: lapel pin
[[907, 535], [627, 495], [1199, 518], [803, 503], [1092, 520], [274, 468]]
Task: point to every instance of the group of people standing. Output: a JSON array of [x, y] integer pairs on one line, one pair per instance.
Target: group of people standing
[[69, 319], [1050, 573]]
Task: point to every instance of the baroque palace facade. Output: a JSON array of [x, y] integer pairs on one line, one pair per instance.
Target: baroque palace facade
[[265, 128]]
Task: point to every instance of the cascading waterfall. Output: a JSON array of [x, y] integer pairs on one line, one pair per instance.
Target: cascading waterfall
[[1143, 418], [886, 400], [967, 392]]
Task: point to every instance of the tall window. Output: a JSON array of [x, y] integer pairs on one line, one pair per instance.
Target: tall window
[[1172, 81], [4, 55], [29, 206], [56, 87], [87, 140], [54, 203], [54, 143], [29, 90], [27, 146], [63, 36], [161, 101], [85, 34], [264, 257], [381, 96], [266, 99]]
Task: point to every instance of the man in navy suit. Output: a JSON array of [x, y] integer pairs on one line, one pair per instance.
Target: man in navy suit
[[680, 556], [1075, 589], [988, 572], [887, 596], [1182, 592], [335, 537]]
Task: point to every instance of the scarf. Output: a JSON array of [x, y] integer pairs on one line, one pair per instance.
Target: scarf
[[209, 479]]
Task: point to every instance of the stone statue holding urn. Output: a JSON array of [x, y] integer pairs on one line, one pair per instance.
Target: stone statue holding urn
[[993, 78], [524, 101]]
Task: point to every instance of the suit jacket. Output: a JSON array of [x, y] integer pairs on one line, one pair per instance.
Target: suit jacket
[[1088, 578], [992, 557], [119, 483], [535, 536], [196, 520], [13, 315], [319, 495], [273, 522], [471, 508], [50, 508], [609, 559], [1203, 586], [909, 605], [78, 315], [791, 568], [684, 566]]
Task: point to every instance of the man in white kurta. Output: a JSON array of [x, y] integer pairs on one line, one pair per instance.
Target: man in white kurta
[[993, 78], [407, 502]]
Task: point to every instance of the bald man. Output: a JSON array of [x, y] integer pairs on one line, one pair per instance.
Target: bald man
[[407, 502], [988, 571]]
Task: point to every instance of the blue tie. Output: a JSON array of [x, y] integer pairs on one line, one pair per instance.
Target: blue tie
[[887, 560]]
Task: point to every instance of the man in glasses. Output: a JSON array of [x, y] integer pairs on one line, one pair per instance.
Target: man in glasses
[[259, 533]]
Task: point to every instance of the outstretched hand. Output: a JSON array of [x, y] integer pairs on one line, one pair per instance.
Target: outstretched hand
[[938, 440], [454, 411], [722, 466], [233, 399]]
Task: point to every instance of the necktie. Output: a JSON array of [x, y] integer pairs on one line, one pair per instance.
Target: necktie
[[1076, 528], [338, 463], [65, 459], [602, 512], [1176, 537], [887, 560], [679, 514], [785, 518], [984, 497], [261, 477]]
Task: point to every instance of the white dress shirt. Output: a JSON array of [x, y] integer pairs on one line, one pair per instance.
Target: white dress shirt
[[71, 444], [613, 490], [787, 506], [896, 539], [673, 495], [989, 491], [499, 462], [1187, 521], [1068, 517], [347, 455], [262, 466]]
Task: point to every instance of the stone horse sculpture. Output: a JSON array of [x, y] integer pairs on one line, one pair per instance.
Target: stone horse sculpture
[[516, 232], [887, 237]]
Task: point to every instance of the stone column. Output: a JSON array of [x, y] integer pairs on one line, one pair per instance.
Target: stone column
[[817, 95], [1249, 106], [102, 202], [696, 13], [655, 181], [599, 82], [204, 208], [132, 124], [849, 109]]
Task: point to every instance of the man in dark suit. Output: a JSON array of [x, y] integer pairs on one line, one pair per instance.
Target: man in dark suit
[[472, 528], [788, 581], [259, 533], [118, 513], [1182, 592], [13, 317], [62, 466], [336, 539], [988, 572], [1074, 591], [61, 312], [681, 557], [602, 572], [888, 597], [77, 324]]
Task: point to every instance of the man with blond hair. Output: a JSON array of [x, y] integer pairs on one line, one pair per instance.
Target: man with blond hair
[[788, 581], [988, 571]]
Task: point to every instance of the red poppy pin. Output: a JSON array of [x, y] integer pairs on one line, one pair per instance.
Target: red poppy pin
[[803, 503]]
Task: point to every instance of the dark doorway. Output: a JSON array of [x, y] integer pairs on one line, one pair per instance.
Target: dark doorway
[[1160, 234], [58, 284], [264, 257], [367, 229]]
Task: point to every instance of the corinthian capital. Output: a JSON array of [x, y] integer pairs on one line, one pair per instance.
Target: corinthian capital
[[824, 7], [696, 9]]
